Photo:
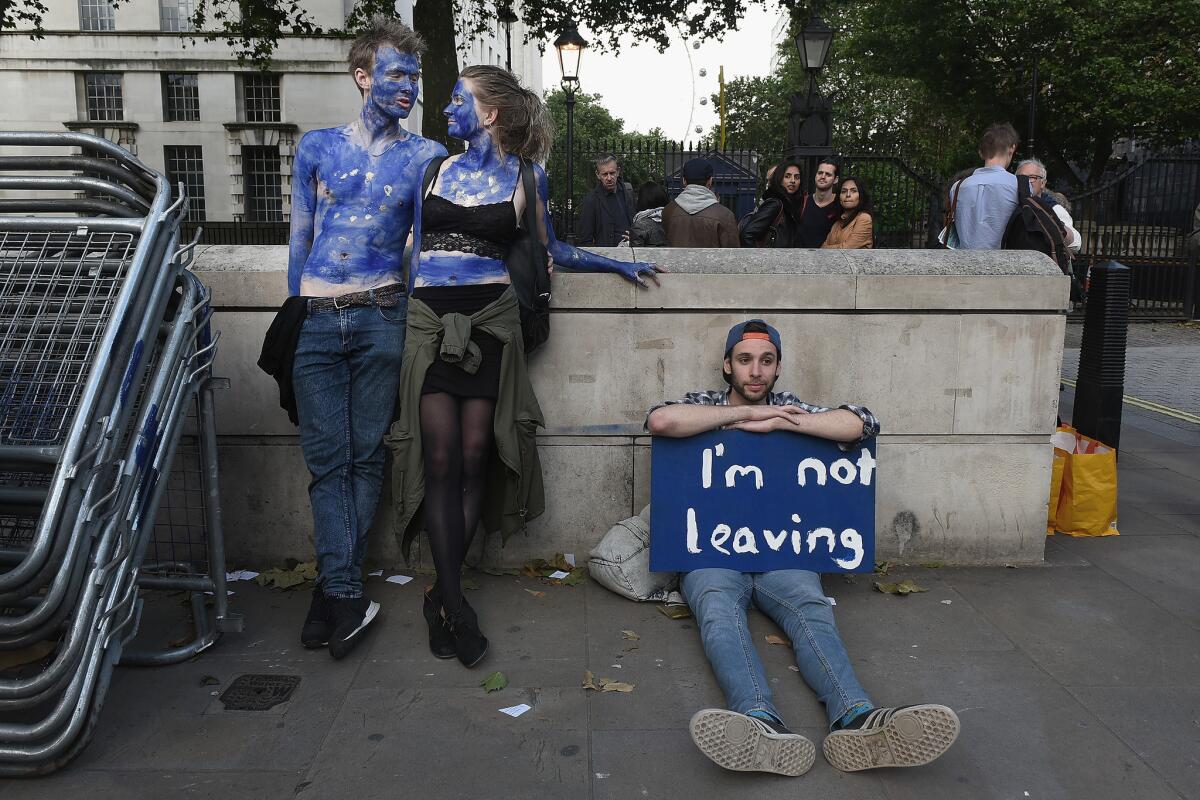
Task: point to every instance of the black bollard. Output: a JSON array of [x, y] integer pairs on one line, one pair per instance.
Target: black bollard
[[1101, 381]]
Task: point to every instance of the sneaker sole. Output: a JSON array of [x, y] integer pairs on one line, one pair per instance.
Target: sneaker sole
[[339, 649], [733, 742], [313, 644], [912, 737]]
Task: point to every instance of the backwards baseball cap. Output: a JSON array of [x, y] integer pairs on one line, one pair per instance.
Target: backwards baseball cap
[[752, 329], [697, 170]]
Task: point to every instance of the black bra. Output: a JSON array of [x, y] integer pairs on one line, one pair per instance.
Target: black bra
[[486, 230]]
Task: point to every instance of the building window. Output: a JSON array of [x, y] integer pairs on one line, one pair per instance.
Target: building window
[[181, 97], [103, 94], [185, 164], [260, 97], [262, 183], [176, 15], [96, 15]]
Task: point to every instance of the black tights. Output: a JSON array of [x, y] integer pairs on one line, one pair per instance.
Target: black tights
[[456, 435]]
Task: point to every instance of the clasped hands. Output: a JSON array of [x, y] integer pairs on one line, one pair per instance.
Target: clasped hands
[[766, 418]]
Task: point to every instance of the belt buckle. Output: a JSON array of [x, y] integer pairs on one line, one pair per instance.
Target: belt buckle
[[349, 301]]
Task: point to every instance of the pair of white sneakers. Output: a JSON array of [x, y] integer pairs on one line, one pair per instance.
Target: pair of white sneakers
[[906, 736]]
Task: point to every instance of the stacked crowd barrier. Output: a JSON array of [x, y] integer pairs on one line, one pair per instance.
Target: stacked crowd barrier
[[105, 365]]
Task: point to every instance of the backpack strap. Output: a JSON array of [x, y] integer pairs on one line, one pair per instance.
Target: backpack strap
[[529, 218], [953, 204], [431, 172]]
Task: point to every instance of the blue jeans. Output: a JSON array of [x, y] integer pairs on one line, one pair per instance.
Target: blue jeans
[[793, 598], [346, 376]]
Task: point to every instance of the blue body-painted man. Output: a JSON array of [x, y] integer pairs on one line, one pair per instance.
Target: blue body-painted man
[[351, 215]]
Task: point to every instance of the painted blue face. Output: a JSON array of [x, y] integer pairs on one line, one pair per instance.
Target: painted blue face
[[394, 84], [462, 120]]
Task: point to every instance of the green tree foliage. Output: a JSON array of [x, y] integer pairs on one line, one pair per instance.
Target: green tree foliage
[[597, 131], [1109, 69]]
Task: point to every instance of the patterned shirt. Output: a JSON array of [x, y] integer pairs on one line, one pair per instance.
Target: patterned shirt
[[720, 397]]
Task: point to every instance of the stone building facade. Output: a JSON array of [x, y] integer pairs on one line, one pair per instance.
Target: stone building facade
[[186, 107]]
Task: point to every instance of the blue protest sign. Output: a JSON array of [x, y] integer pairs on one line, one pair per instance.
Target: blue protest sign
[[754, 502]]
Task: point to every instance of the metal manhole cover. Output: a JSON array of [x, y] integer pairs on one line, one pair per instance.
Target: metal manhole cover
[[258, 692]]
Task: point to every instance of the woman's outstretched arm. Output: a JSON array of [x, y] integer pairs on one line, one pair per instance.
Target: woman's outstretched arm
[[573, 258]]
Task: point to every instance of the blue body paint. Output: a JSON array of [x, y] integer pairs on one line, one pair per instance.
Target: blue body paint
[[481, 176], [352, 189]]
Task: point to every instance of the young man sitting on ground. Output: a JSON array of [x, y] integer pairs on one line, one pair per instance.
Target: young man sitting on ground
[[751, 736]]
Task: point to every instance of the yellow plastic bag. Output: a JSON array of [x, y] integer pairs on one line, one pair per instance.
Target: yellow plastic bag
[[1087, 502], [1056, 475]]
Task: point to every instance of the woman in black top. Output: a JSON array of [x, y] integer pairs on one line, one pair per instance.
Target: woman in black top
[[467, 220], [776, 221]]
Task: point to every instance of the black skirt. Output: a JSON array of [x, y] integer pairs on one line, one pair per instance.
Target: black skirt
[[449, 378]]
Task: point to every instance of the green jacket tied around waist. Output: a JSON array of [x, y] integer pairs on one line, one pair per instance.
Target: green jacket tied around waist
[[514, 493]]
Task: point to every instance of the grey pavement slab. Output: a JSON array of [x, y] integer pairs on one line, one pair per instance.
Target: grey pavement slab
[[1159, 725], [448, 743], [1017, 722], [1083, 626], [1148, 565], [201, 784]]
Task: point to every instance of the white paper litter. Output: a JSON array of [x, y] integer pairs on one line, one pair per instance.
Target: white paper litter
[[947, 602], [377, 573], [400, 579], [570, 558], [558, 574], [832, 600], [240, 575], [517, 710], [227, 593]]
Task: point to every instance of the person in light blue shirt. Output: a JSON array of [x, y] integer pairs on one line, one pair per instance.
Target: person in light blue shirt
[[986, 199]]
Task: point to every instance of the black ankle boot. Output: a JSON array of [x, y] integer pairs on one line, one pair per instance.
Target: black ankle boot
[[469, 642], [441, 640]]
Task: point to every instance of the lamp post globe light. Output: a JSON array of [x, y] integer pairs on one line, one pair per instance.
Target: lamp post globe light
[[570, 46], [506, 15], [810, 121]]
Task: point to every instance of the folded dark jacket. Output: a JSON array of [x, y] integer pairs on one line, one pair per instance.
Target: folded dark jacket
[[279, 351]]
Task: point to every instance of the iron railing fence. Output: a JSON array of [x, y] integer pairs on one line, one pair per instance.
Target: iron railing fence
[[1140, 216]]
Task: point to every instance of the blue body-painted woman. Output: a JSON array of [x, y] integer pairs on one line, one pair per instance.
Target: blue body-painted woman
[[463, 228]]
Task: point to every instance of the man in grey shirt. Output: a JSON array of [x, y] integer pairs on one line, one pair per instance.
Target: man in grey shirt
[[985, 200]]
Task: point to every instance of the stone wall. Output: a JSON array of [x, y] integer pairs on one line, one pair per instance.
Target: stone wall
[[958, 354]]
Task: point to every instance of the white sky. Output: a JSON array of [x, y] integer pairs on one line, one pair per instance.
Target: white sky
[[647, 88]]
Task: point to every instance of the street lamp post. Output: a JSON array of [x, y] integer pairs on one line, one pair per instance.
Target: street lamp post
[[570, 46], [506, 15], [810, 121]]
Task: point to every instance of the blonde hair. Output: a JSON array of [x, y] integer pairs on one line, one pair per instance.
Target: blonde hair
[[523, 126]]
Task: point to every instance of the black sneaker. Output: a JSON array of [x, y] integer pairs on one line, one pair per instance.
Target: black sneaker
[[441, 640], [908, 736], [748, 744], [470, 645], [315, 632], [349, 617]]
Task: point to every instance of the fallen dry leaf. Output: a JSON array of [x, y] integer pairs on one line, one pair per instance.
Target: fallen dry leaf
[[773, 639], [902, 588], [630, 635], [604, 684], [209, 680], [675, 611], [536, 594]]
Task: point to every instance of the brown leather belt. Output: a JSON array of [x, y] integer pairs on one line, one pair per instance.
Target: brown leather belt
[[385, 296]]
